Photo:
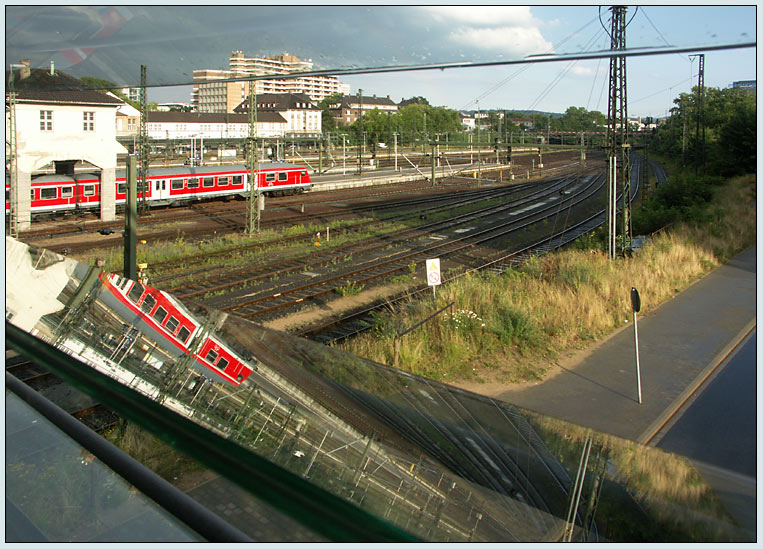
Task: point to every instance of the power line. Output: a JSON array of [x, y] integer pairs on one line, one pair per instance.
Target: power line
[[562, 74], [521, 70]]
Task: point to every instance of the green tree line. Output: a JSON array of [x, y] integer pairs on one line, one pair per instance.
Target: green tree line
[[730, 143]]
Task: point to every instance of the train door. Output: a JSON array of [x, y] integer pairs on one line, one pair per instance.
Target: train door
[[161, 189]]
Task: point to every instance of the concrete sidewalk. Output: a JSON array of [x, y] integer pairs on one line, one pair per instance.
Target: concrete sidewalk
[[680, 344]]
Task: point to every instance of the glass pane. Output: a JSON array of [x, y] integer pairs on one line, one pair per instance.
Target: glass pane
[[438, 462], [59, 491]]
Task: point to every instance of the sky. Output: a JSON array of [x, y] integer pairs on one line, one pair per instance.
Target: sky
[[111, 42]]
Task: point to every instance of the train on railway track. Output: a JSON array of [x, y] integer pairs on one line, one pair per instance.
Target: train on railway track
[[166, 186], [176, 330]]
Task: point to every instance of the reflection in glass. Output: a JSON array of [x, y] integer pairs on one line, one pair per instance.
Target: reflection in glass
[[58, 491], [441, 463]]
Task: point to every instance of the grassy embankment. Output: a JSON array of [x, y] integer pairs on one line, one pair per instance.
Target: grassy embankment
[[511, 327]]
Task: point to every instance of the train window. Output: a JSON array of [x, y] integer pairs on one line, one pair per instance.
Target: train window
[[193, 183], [183, 334], [121, 188], [304, 174], [160, 314], [222, 364], [135, 292], [158, 185], [148, 303], [88, 190], [208, 182], [211, 356], [31, 194], [223, 181], [237, 180], [176, 184], [283, 176], [172, 324], [67, 192], [48, 194], [270, 177], [122, 283]]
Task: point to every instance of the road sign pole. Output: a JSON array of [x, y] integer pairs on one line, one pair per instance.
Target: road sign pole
[[638, 369], [636, 305]]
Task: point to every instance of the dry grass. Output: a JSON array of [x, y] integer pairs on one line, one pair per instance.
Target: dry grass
[[558, 302]]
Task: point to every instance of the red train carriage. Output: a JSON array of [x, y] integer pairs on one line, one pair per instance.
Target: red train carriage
[[171, 321], [53, 193]]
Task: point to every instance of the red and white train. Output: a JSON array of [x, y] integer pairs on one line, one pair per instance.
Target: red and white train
[[54, 193], [175, 327]]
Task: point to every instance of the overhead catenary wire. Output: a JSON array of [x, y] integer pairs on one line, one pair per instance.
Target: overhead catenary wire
[[521, 70], [559, 77]]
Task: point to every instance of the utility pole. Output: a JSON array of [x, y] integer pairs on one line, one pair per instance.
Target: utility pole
[[252, 158], [699, 152], [130, 266], [13, 221], [360, 133], [143, 142], [618, 147], [479, 148]]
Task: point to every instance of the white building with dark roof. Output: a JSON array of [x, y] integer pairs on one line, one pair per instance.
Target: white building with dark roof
[[303, 117], [348, 108], [61, 124], [187, 125]]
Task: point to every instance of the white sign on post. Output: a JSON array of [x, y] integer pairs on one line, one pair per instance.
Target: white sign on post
[[433, 272]]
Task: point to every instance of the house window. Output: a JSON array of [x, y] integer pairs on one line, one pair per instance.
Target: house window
[[46, 121], [131, 124], [88, 121]]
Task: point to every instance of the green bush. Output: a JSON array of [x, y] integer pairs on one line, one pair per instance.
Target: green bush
[[513, 326]]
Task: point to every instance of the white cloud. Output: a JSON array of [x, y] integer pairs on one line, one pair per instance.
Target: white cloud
[[582, 70], [512, 41], [483, 15], [510, 30]]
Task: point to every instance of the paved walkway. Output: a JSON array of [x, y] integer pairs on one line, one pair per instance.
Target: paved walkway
[[680, 344]]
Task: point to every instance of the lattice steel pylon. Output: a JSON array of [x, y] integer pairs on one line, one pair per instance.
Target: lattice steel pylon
[[699, 158], [143, 151], [618, 148], [253, 213], [13, 214]]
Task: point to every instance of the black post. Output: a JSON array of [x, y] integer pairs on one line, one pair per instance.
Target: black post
[[130, 269]]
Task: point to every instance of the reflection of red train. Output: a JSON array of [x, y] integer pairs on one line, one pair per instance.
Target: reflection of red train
[[51, 193], [173, 323]]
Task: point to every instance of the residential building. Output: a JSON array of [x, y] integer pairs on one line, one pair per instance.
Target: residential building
[[128, 119], [525, 123], [187, 125], [62, 125], [210, 96], [467, 121], [303, 117], [348, 107]]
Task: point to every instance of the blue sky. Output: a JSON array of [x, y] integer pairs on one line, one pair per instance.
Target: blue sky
[[112, 42]]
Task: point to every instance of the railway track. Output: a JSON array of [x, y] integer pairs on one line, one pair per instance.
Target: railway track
[[359, 321], [389, 263], [268, 267], [229, 216]]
